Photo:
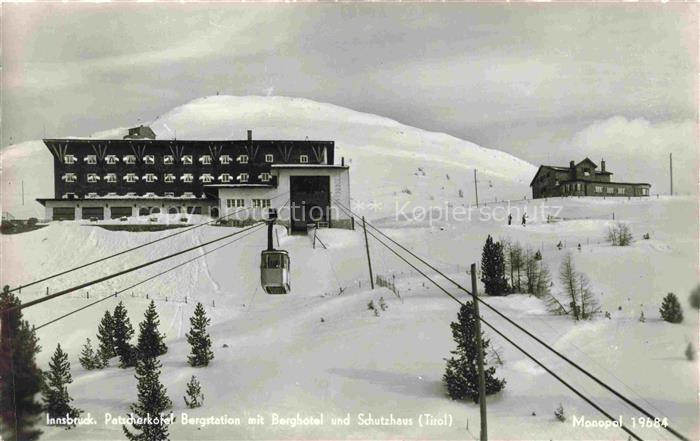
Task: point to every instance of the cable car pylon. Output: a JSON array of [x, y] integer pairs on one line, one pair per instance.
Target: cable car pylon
[[274, 264]]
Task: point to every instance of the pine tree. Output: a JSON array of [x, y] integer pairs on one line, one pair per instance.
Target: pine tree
[[538, 255], [152, 402], [150, 342], [55, 387], [89, 358], [199, 339], [105, 335], [195, 397], [493, 270], [694, 298], [20, 378], [461, 375], [671, 309], [122, 331]]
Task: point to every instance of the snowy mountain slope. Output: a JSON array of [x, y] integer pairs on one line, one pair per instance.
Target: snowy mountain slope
[[282, 358], [384, 155]]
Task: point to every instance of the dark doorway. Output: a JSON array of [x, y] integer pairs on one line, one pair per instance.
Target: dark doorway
[[310, 199]]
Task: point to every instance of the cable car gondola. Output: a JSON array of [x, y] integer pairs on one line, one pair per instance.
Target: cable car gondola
[[274, 264]]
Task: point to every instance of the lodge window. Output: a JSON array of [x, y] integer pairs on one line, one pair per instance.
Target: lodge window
[[111, 159], [168, 159], [225, 159], [610, 190], [91, 159], [169, 194], [645, 191], [261, 203], [69, 159], [243, 177], [169, 178], [130, 177], [69, 177], [579, 187], [598, 189], [225, 178], [129, 159], [235, 203], [265, 177], [206, 178], [187, 177], [187, 159], [205, 160], [150, 177], [586, 172], [92, 178], [149, 159], [269, 157], [304, 159], [111, 177], [91, 195], [620, 190], [243, 159]]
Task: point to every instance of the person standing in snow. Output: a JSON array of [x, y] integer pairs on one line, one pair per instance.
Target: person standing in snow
[[524, 219], [510, 218]]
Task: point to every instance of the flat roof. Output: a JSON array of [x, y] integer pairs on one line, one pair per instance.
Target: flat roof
[[309, 166], [43, 201]]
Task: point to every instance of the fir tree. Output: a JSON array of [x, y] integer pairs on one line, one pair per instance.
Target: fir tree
[[199, 339], [150, 342], [461, 375], [105, 335], [671, 309], [55, 387], [493, 269], [122, 331], [20, 378], [538, 255], [89, 358], [694, 298], [152, 402], [195, 397]]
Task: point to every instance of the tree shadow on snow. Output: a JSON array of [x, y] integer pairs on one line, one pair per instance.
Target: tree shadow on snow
[[405, 384]]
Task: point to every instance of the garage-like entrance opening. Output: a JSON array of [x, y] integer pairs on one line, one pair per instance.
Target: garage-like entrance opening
[[117, 212], [310, 200], [63, 213], [93, 213]]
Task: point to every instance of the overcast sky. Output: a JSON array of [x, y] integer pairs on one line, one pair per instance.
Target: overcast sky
[[544, 82]]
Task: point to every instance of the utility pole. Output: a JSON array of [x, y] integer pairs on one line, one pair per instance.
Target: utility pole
[[480, 358], [476, 190], [369, 260], [670, 165]]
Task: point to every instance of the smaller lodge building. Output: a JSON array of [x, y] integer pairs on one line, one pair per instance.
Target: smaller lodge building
[[582, 179]]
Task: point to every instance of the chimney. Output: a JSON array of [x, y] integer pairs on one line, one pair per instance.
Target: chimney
[[342, 161], [571, 165], [602, 165], [250, 135]]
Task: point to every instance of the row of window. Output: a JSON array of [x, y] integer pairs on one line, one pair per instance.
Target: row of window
[[170, 159], [240, 203], [168, 178], [600, 189]]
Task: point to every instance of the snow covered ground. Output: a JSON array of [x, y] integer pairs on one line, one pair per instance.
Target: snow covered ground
[[319, 351], [282, 358]]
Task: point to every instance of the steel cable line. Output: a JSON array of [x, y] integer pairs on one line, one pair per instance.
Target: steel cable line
[[540, 341], [128, 270], [527, 354], [148, 279], [102, 259]]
